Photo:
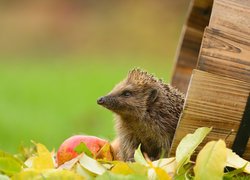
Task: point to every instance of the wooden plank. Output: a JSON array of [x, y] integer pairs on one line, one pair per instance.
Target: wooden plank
[[187, 58], [231, 16], [225, 54], [213, 101], [200, 14], [190, 41]]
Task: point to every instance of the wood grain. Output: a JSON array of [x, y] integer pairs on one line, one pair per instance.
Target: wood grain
[[231, 16], [225, 54], [187, 58], [190, 41], [218, 91], [213, 101]]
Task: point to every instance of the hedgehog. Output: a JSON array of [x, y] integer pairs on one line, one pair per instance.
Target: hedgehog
[[146, 112]]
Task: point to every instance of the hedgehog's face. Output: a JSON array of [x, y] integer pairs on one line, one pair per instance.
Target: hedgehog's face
[[128, 99]]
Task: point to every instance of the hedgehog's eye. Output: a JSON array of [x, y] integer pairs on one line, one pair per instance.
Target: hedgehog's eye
[[126, 93]]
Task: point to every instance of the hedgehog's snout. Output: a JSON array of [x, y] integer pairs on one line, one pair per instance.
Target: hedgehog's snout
[[108, 102], [101, 100], [105, 101]]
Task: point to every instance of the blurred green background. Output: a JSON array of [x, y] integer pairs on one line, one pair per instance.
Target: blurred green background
[[58, 56]]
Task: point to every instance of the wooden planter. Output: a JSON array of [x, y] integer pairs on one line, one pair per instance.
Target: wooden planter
[[213, 69]]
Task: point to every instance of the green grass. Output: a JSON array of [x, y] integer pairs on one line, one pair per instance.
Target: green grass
[[52, 100]]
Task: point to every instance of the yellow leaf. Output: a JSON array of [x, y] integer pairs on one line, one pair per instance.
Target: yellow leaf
[[61, 174], [235, 161], [167, 164], [138, 168], [161, 174], [51, 174], [122, 168], [157, 172], [43, 160], [28, 174], [105, 153], [211, 161]]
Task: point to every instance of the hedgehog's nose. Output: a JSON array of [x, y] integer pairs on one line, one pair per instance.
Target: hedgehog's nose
[[101, 100]]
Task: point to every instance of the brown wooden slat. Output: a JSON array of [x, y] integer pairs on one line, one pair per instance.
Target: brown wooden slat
[[225, 54], [213, 101], [231, 16], [190, 41], [187, 59], [200, 14]]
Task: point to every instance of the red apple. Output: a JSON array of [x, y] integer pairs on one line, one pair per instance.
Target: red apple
[[99, 148]]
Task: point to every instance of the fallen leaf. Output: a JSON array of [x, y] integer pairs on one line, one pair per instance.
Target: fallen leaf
[[110, 176], [235, 161], [91, 164], [43, 160], [84, 172], [138, 168], [158, 173], [139, 157], [122, 168], [69, 165], [167, 164], [82, 147], [4, 177], [229, 175], [211, 161], [50, 174], [28, 174], [9, 164], [61, 174], [188, 144], [105, 152]]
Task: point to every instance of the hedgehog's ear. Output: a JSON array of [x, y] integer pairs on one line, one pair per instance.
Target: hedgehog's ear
[[153, 95]]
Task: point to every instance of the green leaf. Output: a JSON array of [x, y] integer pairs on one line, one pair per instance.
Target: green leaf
[[5, 154], [188, 144], [112, 176], [211, 161], [185, 173], [229, 175], [241, 177], [91, 164], [139, 157], [82, 147], [9, 165]]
